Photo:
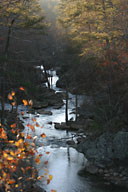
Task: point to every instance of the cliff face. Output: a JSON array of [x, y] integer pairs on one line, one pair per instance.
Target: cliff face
[[106, 149], [108, 157]]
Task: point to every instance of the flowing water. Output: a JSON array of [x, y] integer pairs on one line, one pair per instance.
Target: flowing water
[[63, 162]]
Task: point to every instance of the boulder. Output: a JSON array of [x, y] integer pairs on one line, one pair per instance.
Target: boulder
[[106, 149], [42, 112], [61, 126], [40, 105]]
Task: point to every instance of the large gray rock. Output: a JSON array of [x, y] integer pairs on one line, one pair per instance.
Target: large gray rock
[[105, 149]]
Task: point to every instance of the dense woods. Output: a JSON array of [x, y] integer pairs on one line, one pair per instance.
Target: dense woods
[[98, 36]]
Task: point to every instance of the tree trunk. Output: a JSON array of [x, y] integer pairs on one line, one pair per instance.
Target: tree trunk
[[8, 38], [66, 109], [76, 106]]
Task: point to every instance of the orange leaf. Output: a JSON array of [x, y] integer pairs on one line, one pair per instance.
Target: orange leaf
[[23, 170], [37, 160], [32, 127], [13, 103], [21, 88], [27, 168], [13, 131], [13, 125], [29, 137], [47, 153], [34, 119], [37, 125], [13, 93], [53, 190], [3, 134], [50, 177], [22, 113], [25, 102], [10, 97], [48, 181], [43, 135], [22, 134], [11, 181], [46, 162]]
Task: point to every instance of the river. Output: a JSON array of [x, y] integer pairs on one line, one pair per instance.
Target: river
[[63, 162]]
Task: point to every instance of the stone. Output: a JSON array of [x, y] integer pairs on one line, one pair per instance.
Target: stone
[[92, 169], [42, 112], [100, 171], [61, 126], [70, 142]]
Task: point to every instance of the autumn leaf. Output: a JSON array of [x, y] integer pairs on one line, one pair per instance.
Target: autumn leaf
[[10, 97], [13, 125], [47, 153], [3, 134], [25, 102], [21, 88], [50, 177], [48, 181], [22, 134], [13, 103], [37, 160], [18, 143], [13, 93], [29, 137], [12, 153], [22, 169], [11, 181], [16, 185], [37, 125], [46, 162], [13, 131], [34, 119], [32, 127], [27, 168], [43, 135], [53, 190]]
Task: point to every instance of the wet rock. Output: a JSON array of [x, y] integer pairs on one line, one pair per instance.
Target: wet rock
[[50, 122], [61, 126], [106, 149], [42, 112], [58, 106], [92, 169], [100, 171], [25, 117], [40, 105], [70, 142], [75, 126]]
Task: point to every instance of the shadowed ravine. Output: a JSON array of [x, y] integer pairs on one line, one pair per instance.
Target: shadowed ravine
[[63, 162]]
